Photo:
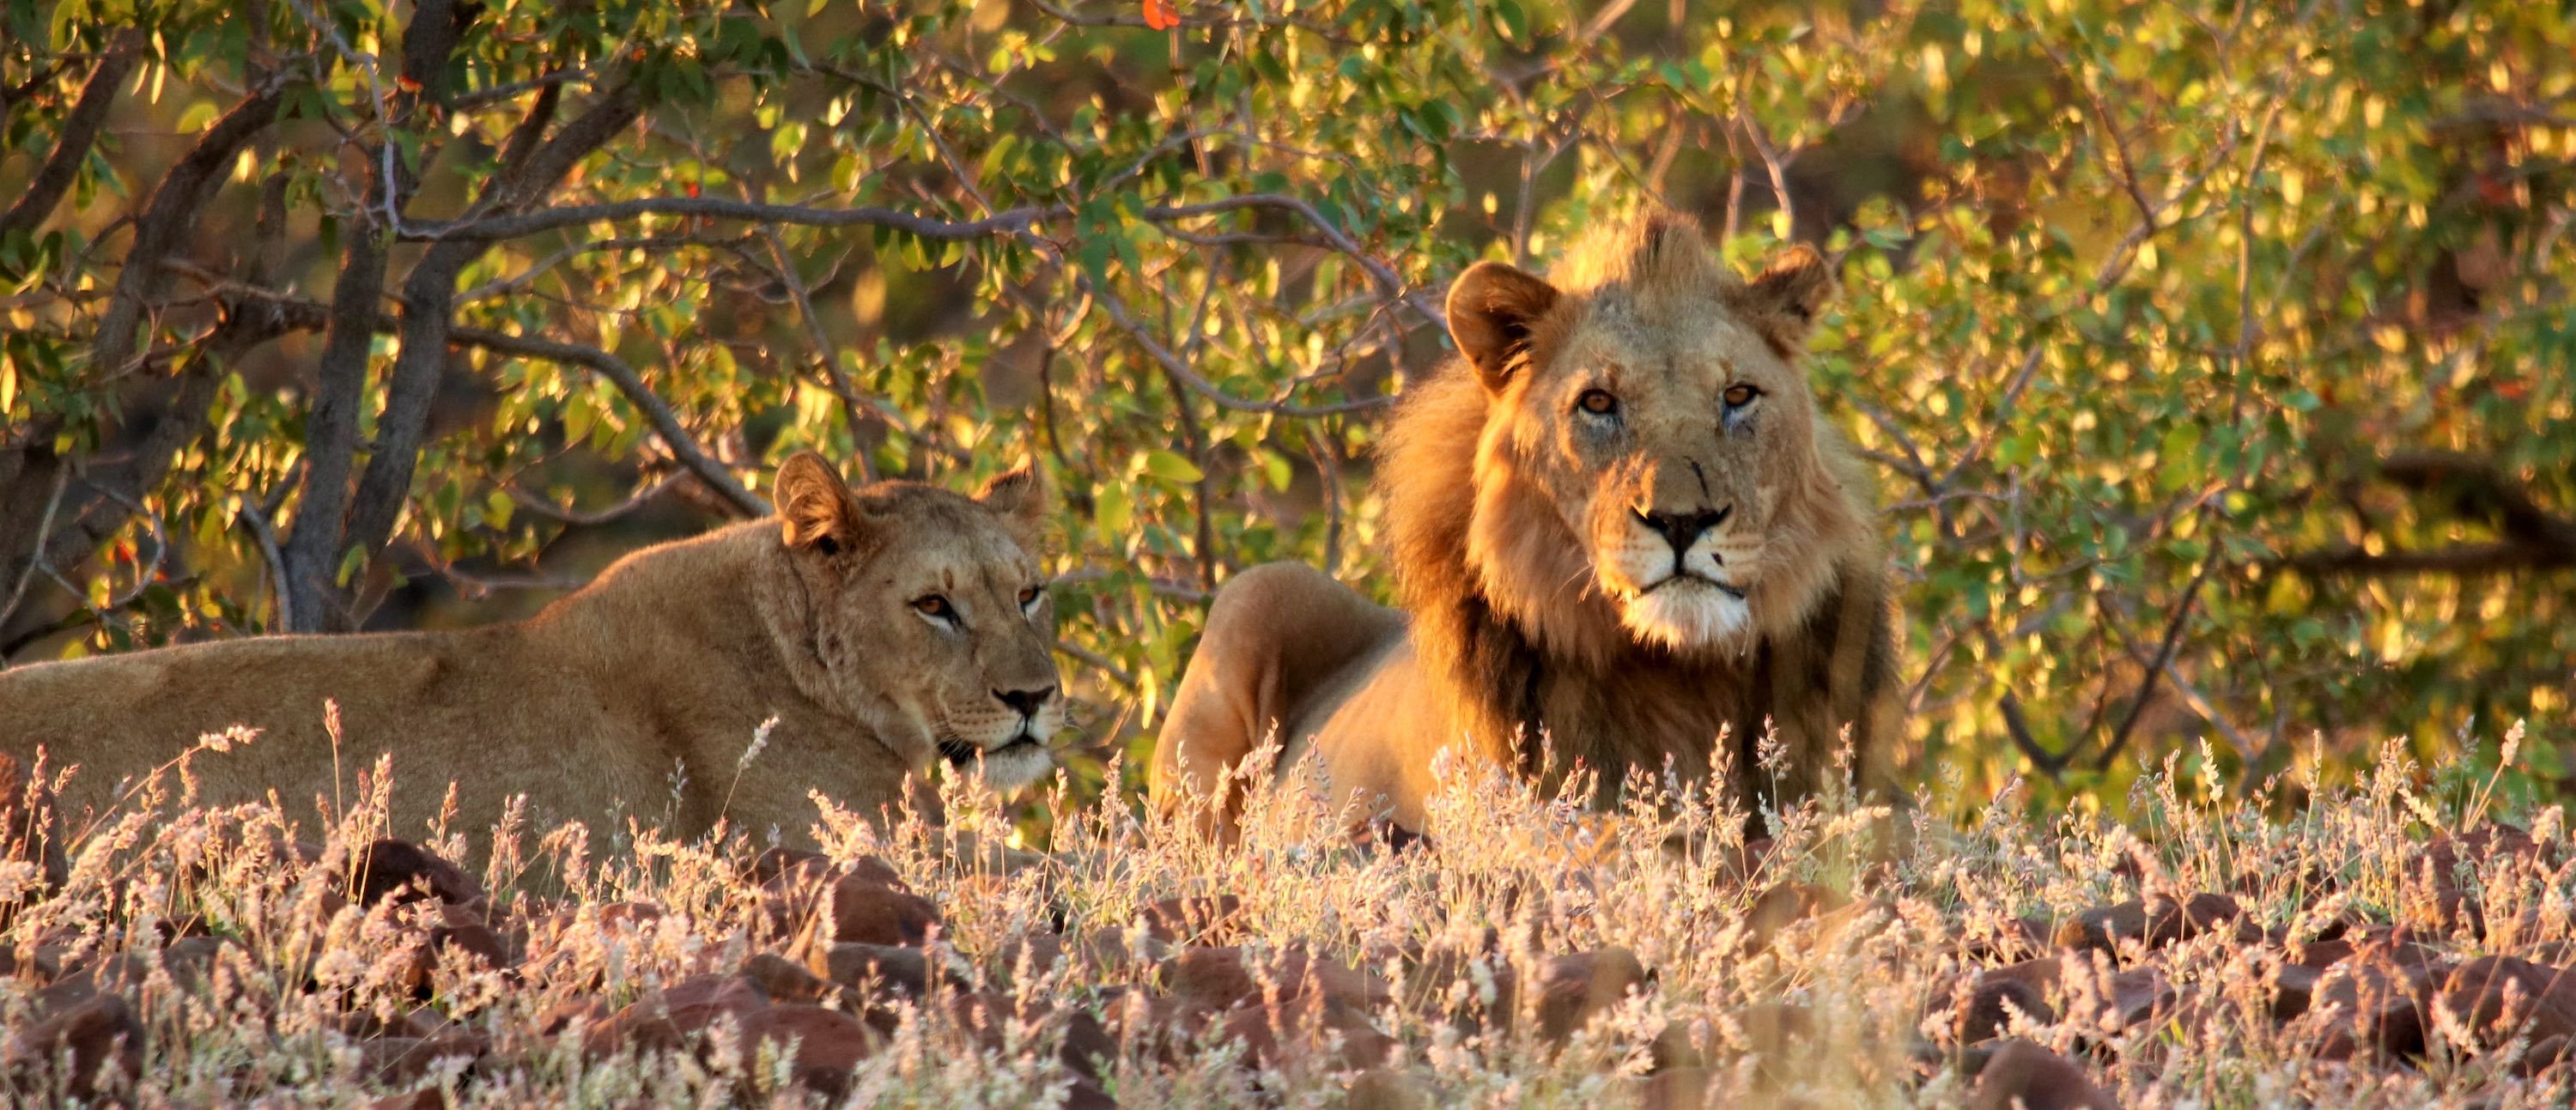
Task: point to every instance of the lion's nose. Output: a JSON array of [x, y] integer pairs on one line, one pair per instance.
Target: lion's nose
[[1680, 529], [1027, 702]]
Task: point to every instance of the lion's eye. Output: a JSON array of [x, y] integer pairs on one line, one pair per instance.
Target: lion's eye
[[1028, 596], [1597, 402], [933, 605], [1738, 396]]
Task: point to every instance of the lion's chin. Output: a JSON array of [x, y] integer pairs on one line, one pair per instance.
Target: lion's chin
[[1690, 617], [1014, 765]]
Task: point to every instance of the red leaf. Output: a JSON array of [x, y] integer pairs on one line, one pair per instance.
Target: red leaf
[[1162, 15]]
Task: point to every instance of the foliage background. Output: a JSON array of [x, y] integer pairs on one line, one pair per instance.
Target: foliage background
[[2214, 356]]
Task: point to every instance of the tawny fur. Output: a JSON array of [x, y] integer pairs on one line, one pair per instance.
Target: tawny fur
[[662, 667], [1522, 541]]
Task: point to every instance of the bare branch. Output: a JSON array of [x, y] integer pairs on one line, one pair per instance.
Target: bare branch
[[514, 226], [666, 423], [545, 507]]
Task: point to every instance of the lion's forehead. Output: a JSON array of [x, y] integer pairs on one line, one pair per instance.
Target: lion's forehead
[[1691, 343]]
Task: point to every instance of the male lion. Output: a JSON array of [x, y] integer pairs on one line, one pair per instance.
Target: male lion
[[1619, 529], [883, 628]]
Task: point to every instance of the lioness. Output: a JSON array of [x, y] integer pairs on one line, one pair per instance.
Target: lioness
[[884, 628], [1617, 524]]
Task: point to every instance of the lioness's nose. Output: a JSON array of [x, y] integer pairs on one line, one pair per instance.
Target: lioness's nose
[[1679, 529], [1027, 702]]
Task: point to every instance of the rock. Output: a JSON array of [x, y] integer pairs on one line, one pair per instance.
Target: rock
[[29, 831], [1306, 1033], [1987, 1008], [2025, 1075], [2156, 921], [1221, 977], [404, 871], [2372, 1004], [97, 1041], [1774, 1030], [1193, 919], [1386, 1089], [1573, 989], [673, 1017], [784, 980], [1677, 1089], [467, 932], [883, 969], [424, 1099], [2501, 997], [985, 1015], [826, 1044], [1784, 904], [395, 1061], [861, 910]]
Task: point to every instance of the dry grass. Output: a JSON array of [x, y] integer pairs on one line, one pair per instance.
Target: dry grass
[[1778, 977]]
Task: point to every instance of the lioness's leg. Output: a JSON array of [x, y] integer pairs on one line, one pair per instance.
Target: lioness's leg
[[1276, 633]]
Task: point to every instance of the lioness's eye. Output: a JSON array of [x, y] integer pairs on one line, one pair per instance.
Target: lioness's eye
[[1597, 403], [1028, 596], [1738, 396], [933, 605]]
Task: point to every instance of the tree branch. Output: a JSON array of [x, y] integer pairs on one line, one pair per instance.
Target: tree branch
[[516, 225], [72, 144], [666, 424]]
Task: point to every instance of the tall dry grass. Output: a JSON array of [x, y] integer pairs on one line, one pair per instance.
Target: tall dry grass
[[1786, 973]]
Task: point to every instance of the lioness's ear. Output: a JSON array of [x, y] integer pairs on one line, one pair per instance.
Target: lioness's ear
[[815, 509], [1020, 497], [1492, 308], [1782, 303]]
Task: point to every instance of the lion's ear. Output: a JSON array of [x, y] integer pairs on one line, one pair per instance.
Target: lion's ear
[[1020, 497], [1783, 301], [1492, 308], [815, 508]]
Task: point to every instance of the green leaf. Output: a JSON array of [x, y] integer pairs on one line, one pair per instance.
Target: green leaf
[[1167, 464]]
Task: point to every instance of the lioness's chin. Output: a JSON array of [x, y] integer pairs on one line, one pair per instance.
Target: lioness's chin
[[1690, 617], [1015, 765]]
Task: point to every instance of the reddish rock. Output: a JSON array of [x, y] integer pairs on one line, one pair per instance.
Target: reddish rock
[[2544, 1054], [1677, 1089], [883, 969], [2025, 1075], [1193, 919], [1986, 1009], [2373, 1004], [1386, 1089], [1306, 1033], [396, 1061], [2501, 997], [468, 932], [672, 1017], [97, 1042], [784, 980], [1784, 904], [2010, 941], [1773, 1031], [987, 1016], [1221, 977], [859, 909], [29, 832], [2294, 989], [425, 1099], [2156, 921], [406, 871], [1573, 989], [789, 869], [826, 1044]]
